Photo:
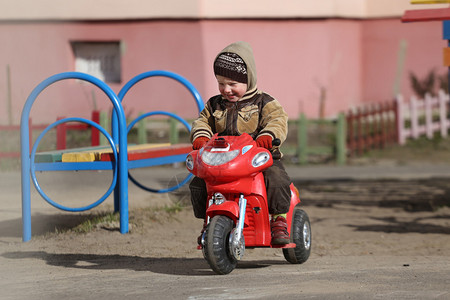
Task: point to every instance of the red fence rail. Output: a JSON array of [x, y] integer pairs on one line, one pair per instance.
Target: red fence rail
[[61, 133], [371, 127]]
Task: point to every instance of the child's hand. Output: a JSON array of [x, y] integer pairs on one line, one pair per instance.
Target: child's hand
[[264, 141], [199, 142]]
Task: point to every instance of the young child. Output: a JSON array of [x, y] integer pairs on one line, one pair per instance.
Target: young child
[[242, 107]]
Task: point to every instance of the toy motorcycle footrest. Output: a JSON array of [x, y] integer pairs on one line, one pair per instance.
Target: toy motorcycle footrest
[[290, 245]]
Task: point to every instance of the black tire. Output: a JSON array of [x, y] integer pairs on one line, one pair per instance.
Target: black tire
[[301, 235], [216, 249]]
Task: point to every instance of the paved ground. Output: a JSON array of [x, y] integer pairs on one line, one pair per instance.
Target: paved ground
[[82, 267]]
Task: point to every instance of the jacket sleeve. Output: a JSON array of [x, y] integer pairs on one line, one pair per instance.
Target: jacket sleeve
[[203, 125], [274, 121]]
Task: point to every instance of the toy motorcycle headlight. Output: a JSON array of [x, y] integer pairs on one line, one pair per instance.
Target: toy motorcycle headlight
[[260, 159], [189, 162], [218, 158]]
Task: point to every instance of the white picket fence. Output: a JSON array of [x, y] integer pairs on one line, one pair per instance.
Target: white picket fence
[[426, 116]]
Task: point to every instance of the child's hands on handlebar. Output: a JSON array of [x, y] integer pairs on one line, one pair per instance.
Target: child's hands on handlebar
[[265, 141], [199, 142]]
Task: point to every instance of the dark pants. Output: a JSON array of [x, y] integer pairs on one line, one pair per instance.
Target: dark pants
[[277, 185]]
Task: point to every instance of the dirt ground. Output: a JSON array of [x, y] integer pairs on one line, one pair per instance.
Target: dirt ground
[[363, 217], [341, 229], [376, 234]]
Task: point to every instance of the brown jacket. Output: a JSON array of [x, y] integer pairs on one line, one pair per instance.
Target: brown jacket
[[257, 113]]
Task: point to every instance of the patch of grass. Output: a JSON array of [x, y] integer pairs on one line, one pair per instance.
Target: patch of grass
[[111, 220], [146, 216], [93, 221], [174, 208]]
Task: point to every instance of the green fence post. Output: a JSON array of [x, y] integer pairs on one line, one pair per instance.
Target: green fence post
[[302, 139], [142, 131], [104, 122], [341, 151], [173, 134]]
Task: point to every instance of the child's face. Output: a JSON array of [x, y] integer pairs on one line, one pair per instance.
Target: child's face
[[230, 89]]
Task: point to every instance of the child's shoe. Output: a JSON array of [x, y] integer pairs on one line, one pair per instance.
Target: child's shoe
[[280, 235]]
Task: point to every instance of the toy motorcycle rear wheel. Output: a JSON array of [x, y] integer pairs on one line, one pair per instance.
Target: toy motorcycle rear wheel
[[216, 248], [301, 235]]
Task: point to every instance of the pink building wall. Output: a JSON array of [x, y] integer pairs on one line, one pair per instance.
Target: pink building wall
[[37, 51], [381, 40], [294, 60], [354, 61]]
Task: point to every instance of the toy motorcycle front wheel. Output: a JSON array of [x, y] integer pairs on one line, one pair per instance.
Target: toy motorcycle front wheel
[[300, 235], [216, 248]]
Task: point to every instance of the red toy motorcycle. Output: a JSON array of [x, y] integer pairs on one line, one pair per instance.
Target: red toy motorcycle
[[237, 211]]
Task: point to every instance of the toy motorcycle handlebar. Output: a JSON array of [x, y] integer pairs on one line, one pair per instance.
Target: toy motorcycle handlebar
[[276, 142]]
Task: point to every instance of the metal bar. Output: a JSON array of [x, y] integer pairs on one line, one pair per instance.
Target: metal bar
[[173, 133], [61, 134], [142, 131], [341, 140], [302, 138], [74, 166], [9, 95], [95, 134], [25, 148], [242, 208], [103, 123]]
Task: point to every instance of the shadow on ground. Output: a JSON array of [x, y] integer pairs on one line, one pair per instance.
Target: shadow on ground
[[44, 223], [163, 265], [411, 195], [392, 225]]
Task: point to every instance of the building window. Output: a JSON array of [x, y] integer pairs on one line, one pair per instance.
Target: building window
[[99, 59]]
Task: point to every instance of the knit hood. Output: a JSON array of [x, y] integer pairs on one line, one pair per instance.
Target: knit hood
[[244, 50]]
